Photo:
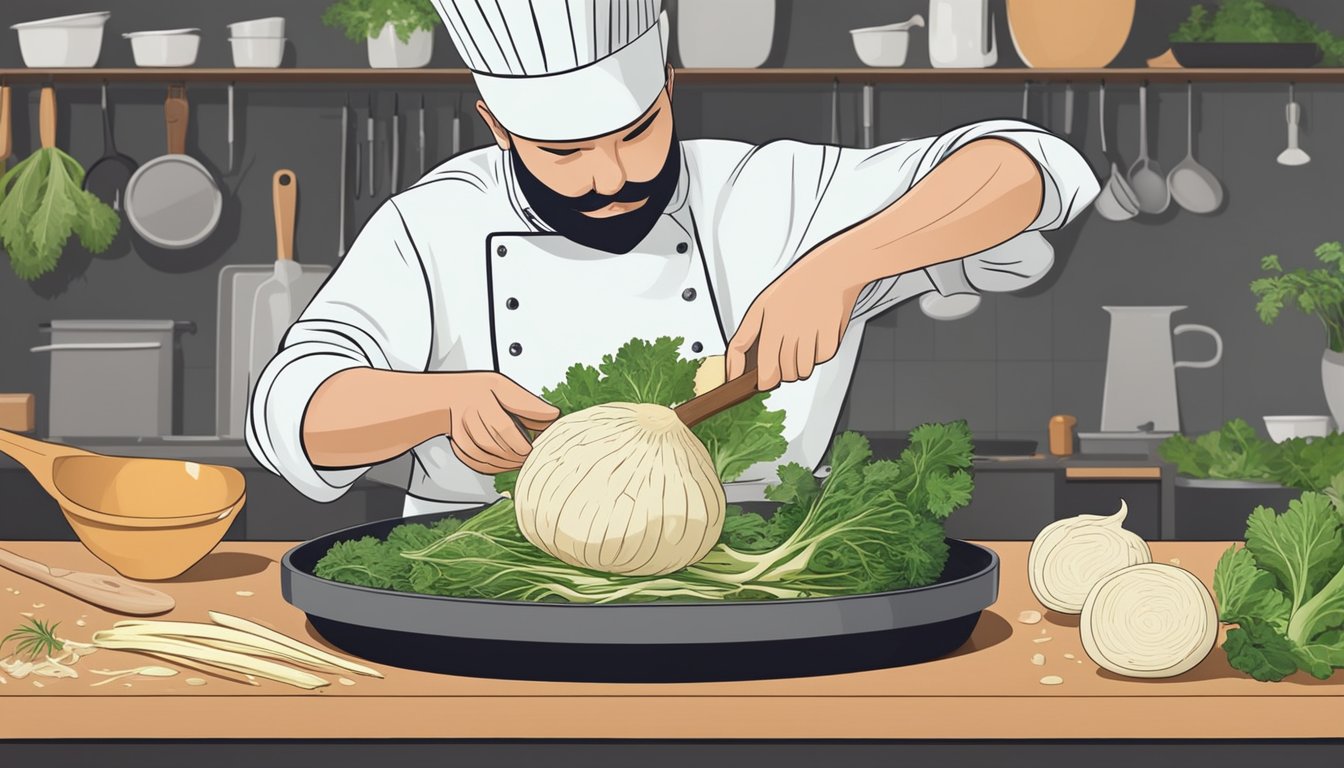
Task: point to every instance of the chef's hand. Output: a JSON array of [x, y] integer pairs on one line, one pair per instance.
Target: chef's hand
[[481, 406], [796, 323]]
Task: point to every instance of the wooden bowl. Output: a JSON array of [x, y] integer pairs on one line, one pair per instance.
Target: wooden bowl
[[128, 513], [1069, 34]]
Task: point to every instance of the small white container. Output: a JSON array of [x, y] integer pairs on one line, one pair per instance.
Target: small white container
[[887, 45], [257, 51], [386, 51], [271, 26], [1283, 428], [62, 41], [165, 47]]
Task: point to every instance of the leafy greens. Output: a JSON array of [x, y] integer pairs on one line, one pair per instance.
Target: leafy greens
[[1255, 21], [869, 526], [1285, 589], [41, 204], [1236, 452]]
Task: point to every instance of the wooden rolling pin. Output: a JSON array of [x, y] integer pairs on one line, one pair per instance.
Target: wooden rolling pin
[[110, 592]]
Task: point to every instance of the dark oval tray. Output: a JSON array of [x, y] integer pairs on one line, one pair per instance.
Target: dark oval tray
[[1248, 55], [649, 642]]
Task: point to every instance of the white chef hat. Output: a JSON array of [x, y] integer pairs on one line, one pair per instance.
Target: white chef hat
[[562, 70]]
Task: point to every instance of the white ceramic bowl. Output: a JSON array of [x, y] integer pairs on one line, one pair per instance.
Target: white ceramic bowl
[[257, 51], [165, 47], [271, 26], [887, 45], [1287, 427], [62, 41]]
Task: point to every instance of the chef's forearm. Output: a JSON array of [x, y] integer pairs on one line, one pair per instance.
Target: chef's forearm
[[364, 416], [982, 195]]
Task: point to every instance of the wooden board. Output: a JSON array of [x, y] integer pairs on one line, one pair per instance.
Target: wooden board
[[1113, 473], [987, 690], [18, 413]]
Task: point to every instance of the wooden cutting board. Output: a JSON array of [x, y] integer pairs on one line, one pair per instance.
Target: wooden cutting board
[[18, 412]]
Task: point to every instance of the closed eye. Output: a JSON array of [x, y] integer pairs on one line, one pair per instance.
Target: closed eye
[[558, 151], [644, 126]]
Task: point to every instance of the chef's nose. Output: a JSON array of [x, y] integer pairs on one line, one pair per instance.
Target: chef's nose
[[608, 171]]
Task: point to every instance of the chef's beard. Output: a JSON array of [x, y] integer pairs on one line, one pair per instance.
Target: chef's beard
[[619, 233]]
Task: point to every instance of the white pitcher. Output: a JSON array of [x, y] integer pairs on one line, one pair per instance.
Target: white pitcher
[[957, 34], [1141, 371]]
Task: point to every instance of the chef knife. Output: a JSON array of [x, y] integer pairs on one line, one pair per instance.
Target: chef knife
[[421, 137], [369, 152], [396, 146]]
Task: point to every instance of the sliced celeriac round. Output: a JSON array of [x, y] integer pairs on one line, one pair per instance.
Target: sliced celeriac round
[[1149, 620], [1070, 555]]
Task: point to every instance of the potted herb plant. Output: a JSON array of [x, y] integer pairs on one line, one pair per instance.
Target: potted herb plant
[[1318, 292], [400, 33]]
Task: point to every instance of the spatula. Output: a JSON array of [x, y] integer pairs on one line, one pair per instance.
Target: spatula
[[110, 592]]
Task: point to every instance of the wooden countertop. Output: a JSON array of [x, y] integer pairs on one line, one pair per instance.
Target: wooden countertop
[[989, 689]]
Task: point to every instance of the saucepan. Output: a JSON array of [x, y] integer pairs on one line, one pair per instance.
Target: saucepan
[[173, 201]]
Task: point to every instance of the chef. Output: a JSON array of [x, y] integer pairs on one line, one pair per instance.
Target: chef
[[588, 223]]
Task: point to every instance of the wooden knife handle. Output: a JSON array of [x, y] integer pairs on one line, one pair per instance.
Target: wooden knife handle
[[284, 194], [6, 131], [46, 117], [110, 592], [722, 397], [176, 112]]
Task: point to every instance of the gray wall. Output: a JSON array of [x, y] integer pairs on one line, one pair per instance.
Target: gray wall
[[1007, 368]]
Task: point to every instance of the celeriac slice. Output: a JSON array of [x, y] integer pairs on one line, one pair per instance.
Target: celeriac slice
[[237, 662]]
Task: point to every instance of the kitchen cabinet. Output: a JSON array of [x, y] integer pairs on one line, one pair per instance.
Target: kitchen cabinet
[[987, 694]]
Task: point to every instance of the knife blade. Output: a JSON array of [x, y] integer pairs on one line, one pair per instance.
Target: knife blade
[[396, 146], [369, 152], [230, 170], [345, 151], [422, 135]]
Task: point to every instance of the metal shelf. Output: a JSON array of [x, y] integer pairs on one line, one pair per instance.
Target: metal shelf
[[763, 76]]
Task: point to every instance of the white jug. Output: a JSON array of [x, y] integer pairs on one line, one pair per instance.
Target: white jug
[[1141, 372], [961, 34]]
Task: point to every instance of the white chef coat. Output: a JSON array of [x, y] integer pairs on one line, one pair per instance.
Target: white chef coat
[[416, 292]]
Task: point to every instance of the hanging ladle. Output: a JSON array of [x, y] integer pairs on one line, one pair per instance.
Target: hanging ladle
[[1293, 155], [1145, 176], [1193, 186], [1116, 201], [147, 518]]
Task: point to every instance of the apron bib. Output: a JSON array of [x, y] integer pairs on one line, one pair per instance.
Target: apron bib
[[554, 303]]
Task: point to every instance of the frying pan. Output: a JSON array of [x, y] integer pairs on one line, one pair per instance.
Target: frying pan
[[641, 642], [107, 178], [172, 201]]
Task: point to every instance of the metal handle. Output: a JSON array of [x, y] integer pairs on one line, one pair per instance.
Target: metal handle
[[97, 345], [1217, 340], [868, 116]]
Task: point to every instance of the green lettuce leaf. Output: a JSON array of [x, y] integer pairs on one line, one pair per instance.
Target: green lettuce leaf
[[1258, 650], [1297, 547], [1245, 592]]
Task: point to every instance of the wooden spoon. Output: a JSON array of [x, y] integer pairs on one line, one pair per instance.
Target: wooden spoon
[[108, 592], [121, 491]]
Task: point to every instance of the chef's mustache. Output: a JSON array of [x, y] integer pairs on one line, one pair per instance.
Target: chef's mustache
[[630, 192]]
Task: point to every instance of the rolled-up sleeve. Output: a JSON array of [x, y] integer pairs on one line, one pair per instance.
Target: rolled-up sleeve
[[830, 189], [373, 312]]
